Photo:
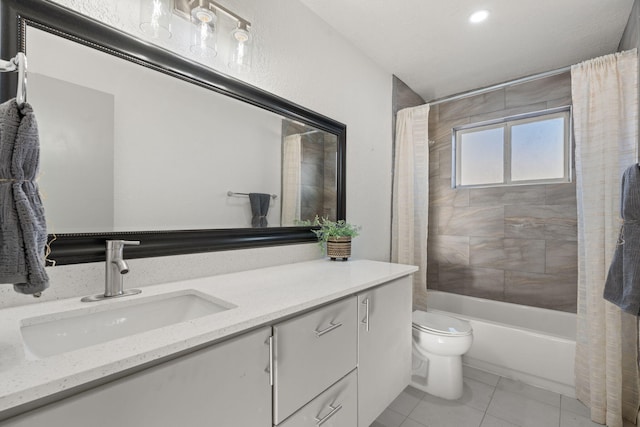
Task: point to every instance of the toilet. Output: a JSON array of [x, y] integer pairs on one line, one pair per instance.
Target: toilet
[[439, 341]]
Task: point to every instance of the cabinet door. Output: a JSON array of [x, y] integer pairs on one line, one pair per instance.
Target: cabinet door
[[384, 347], [226, 384]]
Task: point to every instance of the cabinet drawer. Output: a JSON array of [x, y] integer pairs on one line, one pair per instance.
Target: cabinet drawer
[[312, 352], [336, 407]]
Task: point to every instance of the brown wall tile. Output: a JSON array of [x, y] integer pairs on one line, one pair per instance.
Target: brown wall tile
[[477, 221], [441, 129], [450, 249], [561, 194], [466, 280], [514, 111], [561, 257], [541, 290], [540, 222], [434, 164], [444, 160], [495, 196], [441, 194], [466, 107], [560, 102], [525, 255], [554, 87]]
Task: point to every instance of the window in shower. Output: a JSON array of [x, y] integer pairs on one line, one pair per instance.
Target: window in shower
[[533, 148]]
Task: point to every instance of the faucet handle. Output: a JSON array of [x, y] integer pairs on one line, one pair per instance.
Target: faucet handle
[[118, 244]]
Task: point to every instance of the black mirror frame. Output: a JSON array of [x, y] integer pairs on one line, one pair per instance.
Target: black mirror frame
[[89, 247]]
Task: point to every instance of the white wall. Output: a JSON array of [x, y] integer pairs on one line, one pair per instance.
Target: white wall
[[175, 189], [301, 58], [88, 145]]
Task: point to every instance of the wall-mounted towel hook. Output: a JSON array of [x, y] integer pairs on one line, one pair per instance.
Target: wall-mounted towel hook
[[19, 63]]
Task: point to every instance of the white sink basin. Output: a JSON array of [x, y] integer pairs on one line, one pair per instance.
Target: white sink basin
[[49, 335]]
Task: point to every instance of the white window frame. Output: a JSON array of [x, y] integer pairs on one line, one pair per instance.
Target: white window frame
[[507, 123]]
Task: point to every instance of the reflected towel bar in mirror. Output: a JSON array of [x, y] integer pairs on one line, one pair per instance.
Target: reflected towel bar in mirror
[[233, 193]]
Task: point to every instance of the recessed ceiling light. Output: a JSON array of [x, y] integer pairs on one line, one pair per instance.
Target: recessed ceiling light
[[479, 16]]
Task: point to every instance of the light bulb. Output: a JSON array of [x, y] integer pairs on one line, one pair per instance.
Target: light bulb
[[241, 35], [240, 52]]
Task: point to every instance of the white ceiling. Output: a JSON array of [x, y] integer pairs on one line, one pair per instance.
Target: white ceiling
[[431, 46]]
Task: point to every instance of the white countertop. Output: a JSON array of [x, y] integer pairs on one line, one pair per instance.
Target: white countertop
[[262, 297]]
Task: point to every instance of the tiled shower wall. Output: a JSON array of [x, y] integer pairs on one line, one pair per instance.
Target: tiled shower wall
[[516, 244], [319, 165]]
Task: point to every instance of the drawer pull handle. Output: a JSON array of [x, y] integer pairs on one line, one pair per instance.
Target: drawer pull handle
[[331, 327], [334, 410], [366, 313], [271, 360]]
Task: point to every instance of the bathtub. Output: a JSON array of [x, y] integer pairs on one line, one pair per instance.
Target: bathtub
[[534, 345]]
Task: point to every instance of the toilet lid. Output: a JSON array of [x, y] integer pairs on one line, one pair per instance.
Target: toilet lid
[[440, 323]]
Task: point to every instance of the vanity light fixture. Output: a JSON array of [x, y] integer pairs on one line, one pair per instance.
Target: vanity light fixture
[[478, 16], [205, 17], [155, 18], [240, 51], [203, 32]]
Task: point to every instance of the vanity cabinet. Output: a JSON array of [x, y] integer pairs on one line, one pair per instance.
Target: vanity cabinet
[[384, 347], [311, 353], [337, 365], [226, 384]]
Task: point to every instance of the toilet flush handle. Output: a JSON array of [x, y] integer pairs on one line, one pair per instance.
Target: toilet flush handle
[[366, 313]]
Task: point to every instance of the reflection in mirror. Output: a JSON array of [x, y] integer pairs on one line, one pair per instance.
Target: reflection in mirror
[[309, 164], [131, 148]]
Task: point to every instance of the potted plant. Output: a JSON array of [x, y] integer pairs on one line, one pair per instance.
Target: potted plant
[[335, 237]]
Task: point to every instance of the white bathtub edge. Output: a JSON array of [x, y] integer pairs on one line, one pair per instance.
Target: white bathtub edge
[[564, 389]]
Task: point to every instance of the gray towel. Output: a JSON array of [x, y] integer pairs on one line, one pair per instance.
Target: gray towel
[[23, 231], [623, 281], [259, 209]]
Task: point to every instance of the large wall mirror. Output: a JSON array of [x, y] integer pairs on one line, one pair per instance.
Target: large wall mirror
[[139, 143]]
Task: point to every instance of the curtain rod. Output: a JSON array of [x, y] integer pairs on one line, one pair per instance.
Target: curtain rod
[[500, 86]]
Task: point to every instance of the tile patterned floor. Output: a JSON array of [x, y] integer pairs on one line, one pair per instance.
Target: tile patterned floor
[[488, 401]]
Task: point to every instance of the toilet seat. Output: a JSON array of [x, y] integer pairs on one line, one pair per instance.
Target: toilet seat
[[440, 324]]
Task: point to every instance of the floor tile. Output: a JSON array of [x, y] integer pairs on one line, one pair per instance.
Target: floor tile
[[522, 410], [529, 391], [574, 405], [475, 394], [569, 419], [491, 421], [446, 414], [389, 418], [482, 376], [407, 401], [411, 423]]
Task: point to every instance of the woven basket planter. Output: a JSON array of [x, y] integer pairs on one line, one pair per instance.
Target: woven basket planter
[[339, 247]]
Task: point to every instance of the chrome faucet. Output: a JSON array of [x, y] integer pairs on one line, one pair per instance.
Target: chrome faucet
[[116, 267]]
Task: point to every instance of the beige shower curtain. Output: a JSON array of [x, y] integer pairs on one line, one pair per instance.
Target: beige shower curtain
[[605, 111], [411, 195], [291, 179]]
